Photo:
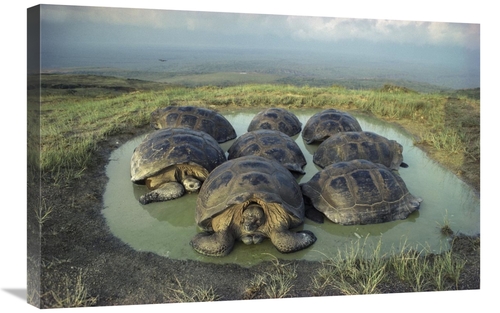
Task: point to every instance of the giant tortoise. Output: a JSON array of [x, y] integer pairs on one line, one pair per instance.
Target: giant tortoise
[[346, 146], [271, 144], [359, 192], [171, 161], [323, 124], [249, 199], [197, 118], [276, 119]]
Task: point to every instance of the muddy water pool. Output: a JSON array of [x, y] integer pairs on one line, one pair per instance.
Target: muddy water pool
[[166, 228]]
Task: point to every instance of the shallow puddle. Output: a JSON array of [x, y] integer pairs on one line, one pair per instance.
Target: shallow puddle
[[166, 228]]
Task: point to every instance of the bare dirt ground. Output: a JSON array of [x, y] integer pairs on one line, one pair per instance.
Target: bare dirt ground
[[76, 242]]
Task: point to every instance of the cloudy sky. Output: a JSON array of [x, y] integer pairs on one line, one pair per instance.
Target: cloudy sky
[[75, 30], [89, 25]]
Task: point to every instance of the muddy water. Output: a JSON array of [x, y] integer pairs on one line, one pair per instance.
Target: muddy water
[[166, 228]]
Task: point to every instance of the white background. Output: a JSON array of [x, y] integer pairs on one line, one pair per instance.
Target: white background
[[13, 152]]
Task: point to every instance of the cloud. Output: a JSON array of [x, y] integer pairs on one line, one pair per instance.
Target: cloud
[[433, 33], [120, 16], [162, 19], [299, 28]]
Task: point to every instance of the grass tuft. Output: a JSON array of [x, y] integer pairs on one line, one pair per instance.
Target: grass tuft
[[445, 228], [192, 294], [350, 272], [358, 270], [72, 293], [42, 214], [424, 273], [276, 283]]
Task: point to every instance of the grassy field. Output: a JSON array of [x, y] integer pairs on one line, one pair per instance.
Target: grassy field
[[77, 114]]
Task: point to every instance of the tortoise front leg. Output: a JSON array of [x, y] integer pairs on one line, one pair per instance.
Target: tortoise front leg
[[167, 191], [213, 243], [286, 241]]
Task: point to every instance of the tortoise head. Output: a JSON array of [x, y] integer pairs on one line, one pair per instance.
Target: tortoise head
[[156, 125], [191, 175], [253, 217], [155, 119], [397, 161], [191, 184]]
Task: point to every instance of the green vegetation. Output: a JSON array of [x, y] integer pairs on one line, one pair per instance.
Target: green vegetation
[[359, 269], [78, 113], [275, 283], [42, 214], [439, 272], [75, 120], [349, 273], [72, 293], [192, 294], [72, 127], [445, 227]]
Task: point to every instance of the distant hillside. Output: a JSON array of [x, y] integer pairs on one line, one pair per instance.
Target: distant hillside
[[364, 84], [226, 79], [474, 93]]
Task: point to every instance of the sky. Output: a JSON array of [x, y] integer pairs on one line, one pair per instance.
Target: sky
[[77, 27], [145, 24]]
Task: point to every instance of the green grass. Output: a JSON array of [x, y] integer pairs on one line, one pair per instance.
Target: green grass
[[274, 284], [438, 272], [43, 213], [72, 130], [351, 272], [188, 293], [72, 293], [445, 227], [74, 123]]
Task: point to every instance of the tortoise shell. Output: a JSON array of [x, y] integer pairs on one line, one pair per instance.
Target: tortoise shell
[[360, 192], [323, 124], [276, 119], [166, 147], [271, 144], [196, 118], [346, 146], [246, 178]]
